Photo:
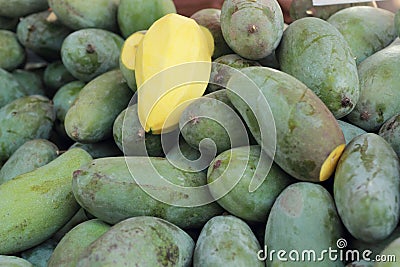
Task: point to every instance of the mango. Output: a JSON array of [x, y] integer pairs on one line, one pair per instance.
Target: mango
[[349, 130], [252, 29], [65, 97], [306, 213], [78, 15], [379, 81], [55, 76], [24, 119], [76, 241], [102, 149], [140, 241], [12, 54], [397, 22], [31, 81], [40, 255], [20, 8], [366, 185], [219, 245], [43, 34], [390, 131], [107, 189], [309, 140], [36, 204], [10, 89], [88, 53], [137, 15], [389, 255], [28, 157], [110, 92], [186, 158], [13, 261], [315, 52], [80, 216]]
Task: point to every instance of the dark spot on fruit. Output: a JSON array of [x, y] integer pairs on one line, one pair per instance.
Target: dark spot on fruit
[[217, 164], [252, 28], [14, 113], [76, 173], [90, 49], [31, 28], [346, 102], [365, 115]]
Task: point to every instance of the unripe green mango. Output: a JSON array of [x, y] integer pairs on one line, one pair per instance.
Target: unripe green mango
[[36, 204], [88, 53], [107, 190], [78, 14], [397, 22], [252, 29], [185, 157], [102, 149], [316, 53], [30, 81], [90, 118], [65, 97], [13, 261], [24, 119], [10, 89], [40, 255], [20, 8], [379, 89], [28, 157], [350, 131], [303, 217], [226, 241], [55, 76], [76, 241], [390, 255], [140, 241], [366, 185], [80, 216], [12, 54], [390, 131]]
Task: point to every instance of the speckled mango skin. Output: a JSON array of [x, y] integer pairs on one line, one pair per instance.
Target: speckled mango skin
[[252, 29], [379, 89], [65, 97], [306, 131], [315, 52], [107, 190], [88, 53], [390, 131], [392, 250], [366, 29], [239, 201], [10, 89], [24, 119], [36, 204], [12, 54], [350, 131], [140, 241], [366, 185], [76, 241], [100, 102], [30, 81], [28, 157], [20, 8], [306, 213], [226, 241], [13, 261]]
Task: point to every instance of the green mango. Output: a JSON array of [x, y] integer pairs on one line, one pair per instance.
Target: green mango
[[390, 131], [10, 89], [65, 97], [12, 54], [350, 131], [102, 149], [36, 204], [20, 8], [390, 255], [80, 216], [13, 261], [31, 81], [397, 22], [55, 76], [40, 255], [185, 157]]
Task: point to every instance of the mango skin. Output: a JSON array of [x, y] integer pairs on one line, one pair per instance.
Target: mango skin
[[306, 211], [78, 15], [296, 110], [366, 185], [55, 76], [40, 255], [140, 241], [349, 130], [101, 100], [390, 131], [28, 157], [76, 241], [392, 251], [36, 204], [316, 53], [379, 94], [88, 53], [13, 261], [24, 119], [12, 54], [20, 8], [65, 97], [226, 241], [397, 22], [10, 89], [95, 186], [30, 81]]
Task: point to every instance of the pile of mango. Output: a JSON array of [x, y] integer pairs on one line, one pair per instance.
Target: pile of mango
[[133, 136]]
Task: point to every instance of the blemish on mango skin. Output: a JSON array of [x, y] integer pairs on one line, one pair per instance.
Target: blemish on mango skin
[[292, 202]]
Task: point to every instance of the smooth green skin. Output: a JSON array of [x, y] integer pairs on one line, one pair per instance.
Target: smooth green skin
[[42, 36], [397, 22], [76, 241], [90, 118], [36, 204], [306, 213], [89, 53], [24, 119], [392, 250], [107, 190], [211, 19], [9, 24], [20, 8], [350, 131], [390, 131], [28, 157], [78, 14], [30, 81], [306, 131], [10, 89], [226, 241], [102, 149], [65, 97], [80, 216], [315, 52], [366, 185], [55, 76], [366, 29], [131, 138], [138, 15], [252, 29], [129, 76], [12, 54], [379, 93], [40, 255], [239, 201], [12, 261], [140, 241]]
